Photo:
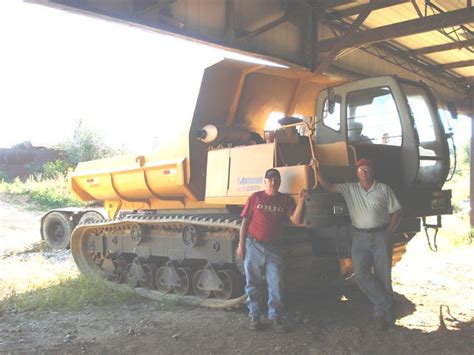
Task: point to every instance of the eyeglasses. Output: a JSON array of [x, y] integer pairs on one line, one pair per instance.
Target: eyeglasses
[[365, 169]]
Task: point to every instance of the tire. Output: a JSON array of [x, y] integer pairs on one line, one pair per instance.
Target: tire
[[57, 229], [90, 217]]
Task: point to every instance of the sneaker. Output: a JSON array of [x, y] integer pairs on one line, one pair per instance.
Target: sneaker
[[380, 324], [278, 326], [255, 324]]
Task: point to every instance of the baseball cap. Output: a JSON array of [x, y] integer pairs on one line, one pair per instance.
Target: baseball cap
[[365, 161], [272, 173]]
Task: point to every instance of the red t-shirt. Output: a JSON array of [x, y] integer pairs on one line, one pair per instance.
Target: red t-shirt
[[266, 215]]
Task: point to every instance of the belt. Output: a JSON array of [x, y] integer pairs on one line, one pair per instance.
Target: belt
[[371, 230], [260, 242]]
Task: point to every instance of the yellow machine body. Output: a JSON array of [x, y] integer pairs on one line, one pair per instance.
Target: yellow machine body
[[179, 206], [188, 174]]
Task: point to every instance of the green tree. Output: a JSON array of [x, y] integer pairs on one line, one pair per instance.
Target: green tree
[[86, 144]]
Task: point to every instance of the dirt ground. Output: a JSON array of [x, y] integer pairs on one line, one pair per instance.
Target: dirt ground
[[434, 292]]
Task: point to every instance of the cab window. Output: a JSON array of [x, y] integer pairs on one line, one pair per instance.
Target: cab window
[[372, 117]]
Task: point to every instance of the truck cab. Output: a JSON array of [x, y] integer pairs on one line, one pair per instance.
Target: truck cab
[[396, 124]]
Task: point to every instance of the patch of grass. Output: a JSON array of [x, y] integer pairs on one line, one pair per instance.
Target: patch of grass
[[457, 230], [66, 293], [43, 193]]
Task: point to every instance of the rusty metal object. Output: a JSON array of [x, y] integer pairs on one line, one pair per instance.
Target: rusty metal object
[[21, 159]]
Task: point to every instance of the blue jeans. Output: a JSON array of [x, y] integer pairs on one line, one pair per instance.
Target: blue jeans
[[263, 260], [374, 250]]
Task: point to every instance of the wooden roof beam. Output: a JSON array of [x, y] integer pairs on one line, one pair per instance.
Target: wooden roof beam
[[402, 29], [461, 64], [441, 47], [265, 28], [323, 5], [380, 4], [329, 57]]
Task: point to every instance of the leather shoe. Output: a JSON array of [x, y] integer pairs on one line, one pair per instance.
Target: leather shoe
[[278, 326]]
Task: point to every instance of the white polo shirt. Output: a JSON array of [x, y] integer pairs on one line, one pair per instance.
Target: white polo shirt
[[372, 208]]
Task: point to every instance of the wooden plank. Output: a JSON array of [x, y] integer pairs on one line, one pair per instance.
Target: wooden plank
[[461, 64], [405, 28], [380, 4], [329, 57], [441, 47]]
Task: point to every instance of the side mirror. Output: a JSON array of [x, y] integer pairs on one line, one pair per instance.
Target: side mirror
[[453, 110]]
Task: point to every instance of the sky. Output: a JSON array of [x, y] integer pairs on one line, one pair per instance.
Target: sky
[[133, 86]]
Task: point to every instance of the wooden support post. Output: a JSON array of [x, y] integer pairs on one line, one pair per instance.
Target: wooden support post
[[310, 36], [229, 21], [472, 172]]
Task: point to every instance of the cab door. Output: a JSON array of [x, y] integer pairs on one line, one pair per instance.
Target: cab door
[[372, 116]]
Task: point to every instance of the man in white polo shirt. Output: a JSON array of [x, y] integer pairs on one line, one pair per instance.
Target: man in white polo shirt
[[375, 212]]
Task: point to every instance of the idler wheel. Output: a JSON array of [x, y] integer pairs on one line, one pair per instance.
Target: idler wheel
[[150, 273], [186, 276], [136, 233], [203, 294], [160, 280], [233, 285]]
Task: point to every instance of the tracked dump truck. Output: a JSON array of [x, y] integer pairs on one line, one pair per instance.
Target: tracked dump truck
[[172, 216]]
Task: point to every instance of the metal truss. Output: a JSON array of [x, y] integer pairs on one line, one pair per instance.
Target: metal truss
[[395, 55]]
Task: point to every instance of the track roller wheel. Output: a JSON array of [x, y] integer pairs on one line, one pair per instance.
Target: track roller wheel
[[150, 274], [160, 280], [202, 294], [232, 282], [129, 276], [186, 276]]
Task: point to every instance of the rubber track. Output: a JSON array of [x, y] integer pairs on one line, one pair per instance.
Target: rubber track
[[213, 221]]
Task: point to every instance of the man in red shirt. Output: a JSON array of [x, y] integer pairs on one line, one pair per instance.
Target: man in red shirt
[[259, 246]]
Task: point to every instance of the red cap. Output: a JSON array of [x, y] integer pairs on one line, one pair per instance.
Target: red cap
[[365, 161]]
